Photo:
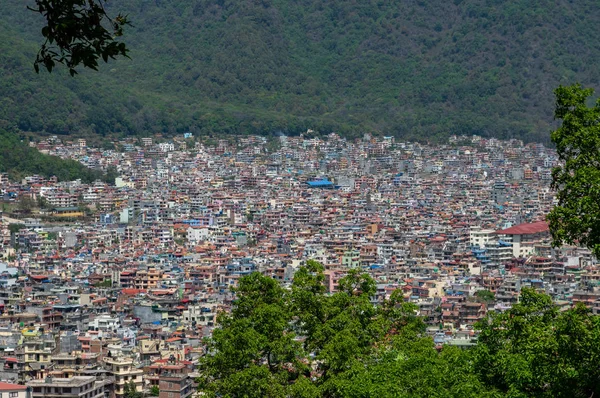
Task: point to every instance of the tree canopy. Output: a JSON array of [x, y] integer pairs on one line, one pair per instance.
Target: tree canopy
[[302, 342], [576, 217], [534, 350]]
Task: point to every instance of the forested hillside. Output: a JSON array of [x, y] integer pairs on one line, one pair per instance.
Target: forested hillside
[[18, 159], [411, 68]]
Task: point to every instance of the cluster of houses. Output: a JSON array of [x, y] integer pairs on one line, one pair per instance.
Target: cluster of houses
[[111, 285]]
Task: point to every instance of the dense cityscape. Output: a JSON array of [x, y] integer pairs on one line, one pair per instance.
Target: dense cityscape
[[108, 286]]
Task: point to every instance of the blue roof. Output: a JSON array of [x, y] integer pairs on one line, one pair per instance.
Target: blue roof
[[320, 183]]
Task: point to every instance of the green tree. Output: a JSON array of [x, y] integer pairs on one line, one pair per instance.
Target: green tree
[[130, 391], [26, 204], [534, 350], [253, 353], [78, 32], [304, 342], [14, 228], [485, 296], [43, 203], [105, 283], [576, 217], [154, 391]]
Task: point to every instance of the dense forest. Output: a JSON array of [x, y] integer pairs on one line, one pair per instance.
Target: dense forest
[[18, 159], [417, 69], [302, 342]]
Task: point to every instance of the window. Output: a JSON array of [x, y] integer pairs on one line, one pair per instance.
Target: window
[[13, 394]]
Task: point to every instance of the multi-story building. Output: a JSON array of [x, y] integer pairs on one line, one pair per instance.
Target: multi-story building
[[72, 387], [175, 385], [124, 373], [10, 390], [524, 237]]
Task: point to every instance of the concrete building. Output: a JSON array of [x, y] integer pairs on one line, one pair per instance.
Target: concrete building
[[73, 387], [10, 390], [124, 373], [175, 385], [525, 236]]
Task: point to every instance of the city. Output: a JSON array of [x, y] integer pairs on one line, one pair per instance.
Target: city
[[108, 286]]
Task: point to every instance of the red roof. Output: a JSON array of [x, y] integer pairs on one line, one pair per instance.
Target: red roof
[[525, 229], [132, 291], [12, 387]]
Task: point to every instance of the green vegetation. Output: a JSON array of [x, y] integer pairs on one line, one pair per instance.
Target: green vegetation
[[130, 391], [421, 69], [576, 217], [14, 228], [26, 204], [19, 160], [485, 296], [304, 343], [154, 391], [104, 283], [75, 34], [534, 350]]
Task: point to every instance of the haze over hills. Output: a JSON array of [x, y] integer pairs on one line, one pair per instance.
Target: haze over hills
[[417, 69]]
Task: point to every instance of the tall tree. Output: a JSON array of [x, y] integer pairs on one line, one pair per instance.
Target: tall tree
[[576, 218], [534, 350], [302, 342]]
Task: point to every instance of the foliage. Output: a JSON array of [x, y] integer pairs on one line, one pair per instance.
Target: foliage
[[43, 203], [26, 204], [19, 160], [75, 34], [106, 283], [576, 218], [534, 350], [14, 228], [485, 296], [154, 391], [303, 342], [421, 69], [130, 391]]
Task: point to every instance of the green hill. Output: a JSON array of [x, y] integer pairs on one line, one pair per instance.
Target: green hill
[[18, 159], [410, 68]]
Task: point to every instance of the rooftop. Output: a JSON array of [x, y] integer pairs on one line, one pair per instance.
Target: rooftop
[[525, 229], [12, 387], [62, 382]]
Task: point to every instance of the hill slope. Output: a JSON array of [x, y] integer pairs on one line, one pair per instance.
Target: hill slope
[[418, 68], [18, 159]]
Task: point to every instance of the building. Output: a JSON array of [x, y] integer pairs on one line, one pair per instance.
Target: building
[[9, 390], [499, 195], [524, 237], [72, 387], [104, 323], [480, 237], [124, 373], [323, 184], [175, 385]]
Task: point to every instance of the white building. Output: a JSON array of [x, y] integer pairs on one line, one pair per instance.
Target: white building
[[479, 237], [105, 323], [524, 237]]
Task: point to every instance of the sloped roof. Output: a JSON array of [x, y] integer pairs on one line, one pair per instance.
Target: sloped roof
[[525, 229], [12, 387]]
